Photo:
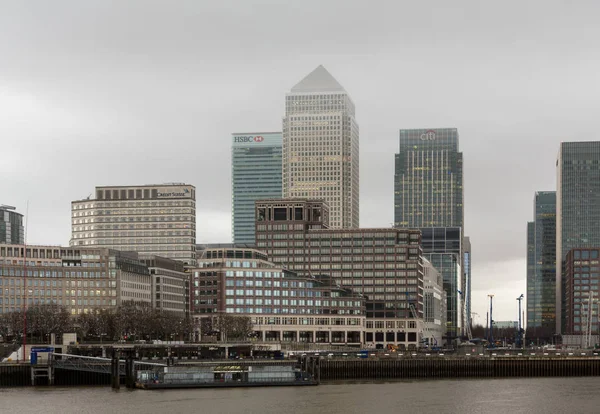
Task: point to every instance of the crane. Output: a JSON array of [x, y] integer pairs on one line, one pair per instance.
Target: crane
[[467, 317]]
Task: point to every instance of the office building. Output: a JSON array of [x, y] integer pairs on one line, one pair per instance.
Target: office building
[[428, 180], [434, 306], [241, 281], [577, 212], [442, 246], [170, 285], [255, 175], [320, 147], [428, 195], [385, 265], [81, 279], [11, 226], [149, 219], [582, 291], [541, 267]]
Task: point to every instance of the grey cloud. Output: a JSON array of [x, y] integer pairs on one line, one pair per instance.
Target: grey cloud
[[97, 92]]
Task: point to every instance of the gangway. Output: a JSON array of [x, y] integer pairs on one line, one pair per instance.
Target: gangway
[[94, 364]]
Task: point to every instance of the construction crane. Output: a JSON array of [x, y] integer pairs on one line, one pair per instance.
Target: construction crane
[[467, 317], [588, 321]]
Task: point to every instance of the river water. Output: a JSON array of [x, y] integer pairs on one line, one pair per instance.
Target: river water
[[531, 395]]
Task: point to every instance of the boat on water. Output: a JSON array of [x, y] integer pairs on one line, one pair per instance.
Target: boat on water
[[224, 375]]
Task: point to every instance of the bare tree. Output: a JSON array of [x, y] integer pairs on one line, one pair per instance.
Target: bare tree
[[232, 328]]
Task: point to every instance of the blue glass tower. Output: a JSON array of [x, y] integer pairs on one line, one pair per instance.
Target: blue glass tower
[[255, 175]]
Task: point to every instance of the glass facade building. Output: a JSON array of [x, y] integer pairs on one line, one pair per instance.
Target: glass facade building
[[428, 181], [320, 147], [577, 207], [582, 290], [541, 267], [442, 246], [11, 226], [428, 195], [255, 175]]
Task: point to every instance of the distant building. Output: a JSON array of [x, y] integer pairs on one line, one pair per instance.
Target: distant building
[[81, 279], [428, 195], [282, 306], [582, 290], [506, 325], [255, 175], [541, 267], [383, 264], [11, 226], [320, 147], [170, 285], [434, 308], [428, 180], [148, 219], [577, 212], [442, 246]]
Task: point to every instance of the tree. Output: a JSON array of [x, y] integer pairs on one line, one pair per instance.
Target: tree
[[230, 327], [43, 320]]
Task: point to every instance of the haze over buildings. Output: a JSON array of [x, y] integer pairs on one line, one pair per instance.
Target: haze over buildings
[[148, 106], [320, 147]]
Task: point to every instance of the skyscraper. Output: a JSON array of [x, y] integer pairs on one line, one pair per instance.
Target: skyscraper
[[155, 220], [255, 175], [428, 181], [541, 267], [428, 194], [320, 147], [11, 226], [577, 207]]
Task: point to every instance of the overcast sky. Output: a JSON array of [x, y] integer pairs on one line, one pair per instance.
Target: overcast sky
[[100, 92]]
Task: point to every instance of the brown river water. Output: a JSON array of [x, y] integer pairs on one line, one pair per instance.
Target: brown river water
[[529, 395]]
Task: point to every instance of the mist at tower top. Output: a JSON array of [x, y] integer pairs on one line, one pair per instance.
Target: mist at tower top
[[319, 80]]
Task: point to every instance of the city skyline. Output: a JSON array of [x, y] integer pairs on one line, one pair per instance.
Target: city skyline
[[139, 110]]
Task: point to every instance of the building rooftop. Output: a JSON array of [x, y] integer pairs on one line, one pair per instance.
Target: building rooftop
[[319, 80]]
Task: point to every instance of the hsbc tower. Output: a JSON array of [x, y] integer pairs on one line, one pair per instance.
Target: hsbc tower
[[255, 175]]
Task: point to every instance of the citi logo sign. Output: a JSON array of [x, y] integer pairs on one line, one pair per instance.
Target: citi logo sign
[[249, 138], [428, 135]]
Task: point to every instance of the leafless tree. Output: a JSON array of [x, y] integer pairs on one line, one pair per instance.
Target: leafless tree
[[232, 327]]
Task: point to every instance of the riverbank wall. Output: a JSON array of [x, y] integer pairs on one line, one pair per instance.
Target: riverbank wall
[[458, 368], [372, 369]]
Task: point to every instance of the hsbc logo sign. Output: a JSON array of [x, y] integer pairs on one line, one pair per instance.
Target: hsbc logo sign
[[249, 138]]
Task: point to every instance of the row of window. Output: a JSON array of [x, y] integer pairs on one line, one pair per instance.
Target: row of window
[[307, 311]]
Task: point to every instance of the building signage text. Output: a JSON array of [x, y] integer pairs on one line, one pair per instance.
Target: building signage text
[[249, 138], [428, 135]]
